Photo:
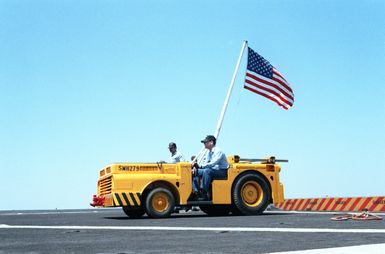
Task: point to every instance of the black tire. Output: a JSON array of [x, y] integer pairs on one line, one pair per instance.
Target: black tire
[[160, 203], [234, 210], [133, 212], [251, 194], [215, 210]]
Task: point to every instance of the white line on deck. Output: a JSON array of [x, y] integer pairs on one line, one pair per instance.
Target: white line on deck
[[359, 249], [56, 212], [228, 229]]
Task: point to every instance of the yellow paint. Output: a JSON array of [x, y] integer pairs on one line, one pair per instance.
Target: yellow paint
[[135, 178]]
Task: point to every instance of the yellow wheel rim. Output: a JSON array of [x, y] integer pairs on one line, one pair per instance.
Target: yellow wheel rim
[[252, 193], [160, 202]]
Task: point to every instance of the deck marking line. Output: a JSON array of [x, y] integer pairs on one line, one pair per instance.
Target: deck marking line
[[235, 229]]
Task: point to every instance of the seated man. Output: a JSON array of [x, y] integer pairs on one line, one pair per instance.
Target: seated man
[[215, 165], [175, 155]]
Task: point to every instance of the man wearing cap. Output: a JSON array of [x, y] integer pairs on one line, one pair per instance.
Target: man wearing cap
[[175, 155], [214, 165]]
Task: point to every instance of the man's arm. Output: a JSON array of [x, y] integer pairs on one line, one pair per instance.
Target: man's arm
[[181, 158]]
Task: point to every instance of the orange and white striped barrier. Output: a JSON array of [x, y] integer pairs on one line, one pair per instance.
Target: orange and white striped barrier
[[372, 204]]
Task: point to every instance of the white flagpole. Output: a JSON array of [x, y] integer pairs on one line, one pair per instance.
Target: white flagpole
[[200, 155], [220, 121]]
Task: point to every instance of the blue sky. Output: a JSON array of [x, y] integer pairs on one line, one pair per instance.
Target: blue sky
[[88, 83]]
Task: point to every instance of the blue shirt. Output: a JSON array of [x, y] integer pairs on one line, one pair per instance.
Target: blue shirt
[[215, 159]]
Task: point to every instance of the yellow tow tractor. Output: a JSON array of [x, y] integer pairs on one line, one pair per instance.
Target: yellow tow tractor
[[159, 189]]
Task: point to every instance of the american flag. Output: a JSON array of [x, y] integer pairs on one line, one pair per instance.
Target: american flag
[[262, 78]]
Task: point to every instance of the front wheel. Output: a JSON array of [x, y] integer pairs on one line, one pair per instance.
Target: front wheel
[[160, 203], [251, 194]]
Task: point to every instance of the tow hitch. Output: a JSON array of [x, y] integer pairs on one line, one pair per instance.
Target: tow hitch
[[97, 200]]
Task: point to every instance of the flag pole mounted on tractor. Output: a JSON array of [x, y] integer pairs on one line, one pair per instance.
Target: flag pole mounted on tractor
[[226, 103], [202, 152]]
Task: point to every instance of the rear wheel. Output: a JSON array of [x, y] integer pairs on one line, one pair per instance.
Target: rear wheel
[[133, 212], [215, 210], [251, 194], [160, 203]]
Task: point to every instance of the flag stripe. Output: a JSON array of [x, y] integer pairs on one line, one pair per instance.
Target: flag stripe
[[279, 89], [268, 92], [283, 79], [266, 96], [269, 89], [270, 82], [283, 83]]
